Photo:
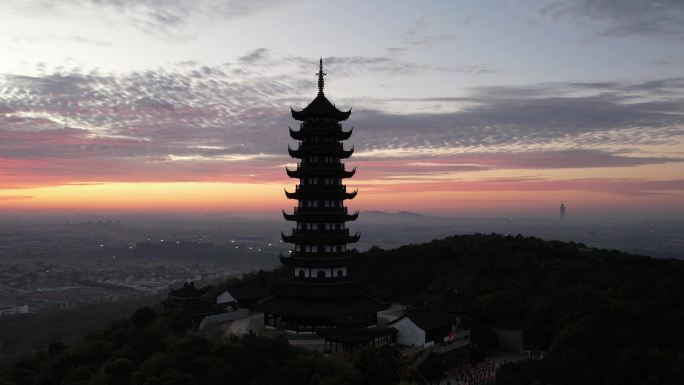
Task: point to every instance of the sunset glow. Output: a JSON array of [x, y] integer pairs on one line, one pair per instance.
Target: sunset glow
[[446, 119]]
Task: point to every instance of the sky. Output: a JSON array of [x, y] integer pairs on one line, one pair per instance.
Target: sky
[[459, 108]]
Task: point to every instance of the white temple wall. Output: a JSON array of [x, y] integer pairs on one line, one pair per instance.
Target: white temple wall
[[409, 334]]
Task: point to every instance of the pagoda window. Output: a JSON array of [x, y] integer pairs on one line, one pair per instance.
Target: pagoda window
[[337, 226], [321, 226], [301, 273], [320, 274], [340, 273], [321, 249], [339, 248]]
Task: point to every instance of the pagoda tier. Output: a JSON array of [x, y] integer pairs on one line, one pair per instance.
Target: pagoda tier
[[317, 133], [321, 292], [327, 306], [321, 217], [339, 193], [332, 172], [320, 109], [335, 150]]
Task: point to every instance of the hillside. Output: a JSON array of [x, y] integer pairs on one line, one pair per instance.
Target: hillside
[[604, 317]]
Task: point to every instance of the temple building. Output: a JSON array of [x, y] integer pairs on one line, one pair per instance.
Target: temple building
[[321, 299]]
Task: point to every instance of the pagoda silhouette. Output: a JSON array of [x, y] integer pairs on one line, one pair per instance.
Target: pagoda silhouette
[[321, 299]]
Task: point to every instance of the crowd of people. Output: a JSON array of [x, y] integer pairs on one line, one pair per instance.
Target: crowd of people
[[479, 373]]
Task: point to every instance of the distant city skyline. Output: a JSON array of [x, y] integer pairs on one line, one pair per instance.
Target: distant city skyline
[[461, 108]]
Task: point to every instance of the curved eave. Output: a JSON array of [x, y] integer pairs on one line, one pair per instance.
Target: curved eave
[[320, 217], [340, 153], [321, 194], [332, 173], [305, 114]]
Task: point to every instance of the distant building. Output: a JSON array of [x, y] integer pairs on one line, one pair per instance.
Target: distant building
[[247, 294], [190, 300], [562, 211], [206, 308]]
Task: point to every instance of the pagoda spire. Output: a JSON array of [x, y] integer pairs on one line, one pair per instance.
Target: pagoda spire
[[321, 82]]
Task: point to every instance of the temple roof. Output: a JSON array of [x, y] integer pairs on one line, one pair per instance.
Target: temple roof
[[307, 171], [321, 194], [188, 290], [321, 217], [427, 318], [320, 107], [247, 291]]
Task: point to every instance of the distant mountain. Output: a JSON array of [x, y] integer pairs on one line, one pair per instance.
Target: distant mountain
[[403, 217]]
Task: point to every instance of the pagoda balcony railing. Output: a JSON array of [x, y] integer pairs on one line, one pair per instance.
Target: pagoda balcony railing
[[459, 340], [324, 280], [321, 187], [320, 210]]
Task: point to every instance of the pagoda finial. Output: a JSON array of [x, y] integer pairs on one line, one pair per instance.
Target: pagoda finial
[[321, 82]]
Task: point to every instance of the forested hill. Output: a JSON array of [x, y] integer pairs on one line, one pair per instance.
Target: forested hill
[[603, 317]]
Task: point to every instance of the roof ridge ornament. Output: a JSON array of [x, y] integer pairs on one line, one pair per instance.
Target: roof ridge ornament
[[321, 82]]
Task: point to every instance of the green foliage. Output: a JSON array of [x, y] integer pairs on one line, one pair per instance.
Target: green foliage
[[149, 351], [143, 317], [32, 332], [604, 317]]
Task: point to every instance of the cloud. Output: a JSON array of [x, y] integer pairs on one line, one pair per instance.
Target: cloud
[[621, 186], [620, 18], [228, 123], [451, 167], [343, 66], [169, 19], [14, 197], [58, 39]]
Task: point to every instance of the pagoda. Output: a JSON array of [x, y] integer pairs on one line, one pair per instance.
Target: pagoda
[[321, 297]]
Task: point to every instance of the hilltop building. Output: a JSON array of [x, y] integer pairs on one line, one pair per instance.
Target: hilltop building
[[321, 298], [562, 211], [433, 328]]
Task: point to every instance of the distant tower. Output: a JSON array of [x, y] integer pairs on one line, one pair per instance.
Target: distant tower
[[562, 211]]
